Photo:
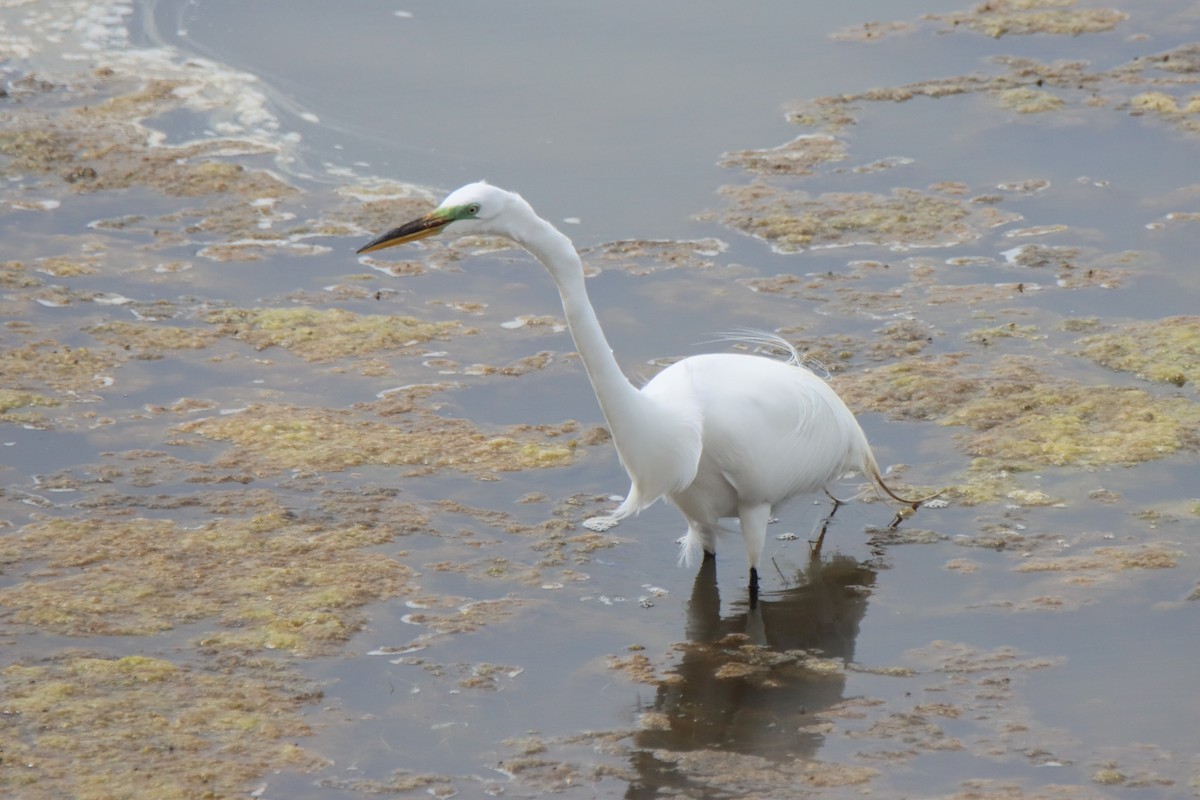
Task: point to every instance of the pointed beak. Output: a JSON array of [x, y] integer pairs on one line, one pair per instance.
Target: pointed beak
[[428, 225]]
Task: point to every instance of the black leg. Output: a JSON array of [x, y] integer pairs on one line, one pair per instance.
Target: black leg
[[901, 514], [710, 556], [753, 587], [815, 547]]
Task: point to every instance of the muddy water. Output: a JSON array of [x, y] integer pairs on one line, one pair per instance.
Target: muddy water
[[282, 522]]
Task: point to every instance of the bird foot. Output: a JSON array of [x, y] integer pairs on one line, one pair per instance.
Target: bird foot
[[903, 514]]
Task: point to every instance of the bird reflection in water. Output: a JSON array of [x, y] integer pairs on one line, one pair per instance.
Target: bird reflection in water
[[750, 682]]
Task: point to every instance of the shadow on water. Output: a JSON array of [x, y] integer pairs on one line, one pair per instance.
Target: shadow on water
[[751, 680]]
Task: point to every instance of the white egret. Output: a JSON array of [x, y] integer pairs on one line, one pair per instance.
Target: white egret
[[718, 435]]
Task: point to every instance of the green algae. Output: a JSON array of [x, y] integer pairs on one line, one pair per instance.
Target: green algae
[[47, 363], [89, 152], [801, 156], [1108, 559], [1075, 424], [61, 267], [100, 146], [1164, 351], [317, 334], [13, 402], [35, 150], [16, 275], [1164, 104], [1025, 100], [1009, 331], [269, 438], [1018, 417], [998, 18], [1029, 86], [643, 257], [148, 338], [93, 728], [251, 627], [794, 221], [267, 582]]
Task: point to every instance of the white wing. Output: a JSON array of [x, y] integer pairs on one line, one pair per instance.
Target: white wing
[[660, 449]]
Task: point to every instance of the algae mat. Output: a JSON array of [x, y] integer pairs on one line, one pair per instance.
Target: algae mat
[[280, 522]]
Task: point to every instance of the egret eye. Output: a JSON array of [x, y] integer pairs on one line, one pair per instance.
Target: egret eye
[[473, 209]]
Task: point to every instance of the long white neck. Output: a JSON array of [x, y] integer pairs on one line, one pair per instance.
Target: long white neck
[[659, 446], [616, 394]]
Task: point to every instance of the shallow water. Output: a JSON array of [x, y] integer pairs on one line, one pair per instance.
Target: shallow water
[[444, 625], [612, 115]]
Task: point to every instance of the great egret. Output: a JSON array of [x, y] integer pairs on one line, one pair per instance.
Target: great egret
[[718, 435]]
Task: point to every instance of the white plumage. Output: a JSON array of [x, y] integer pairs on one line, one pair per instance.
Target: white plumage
[[719, 435], [765, 431]]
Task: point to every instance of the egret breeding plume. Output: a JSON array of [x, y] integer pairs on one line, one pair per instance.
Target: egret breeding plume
[[718, 435]]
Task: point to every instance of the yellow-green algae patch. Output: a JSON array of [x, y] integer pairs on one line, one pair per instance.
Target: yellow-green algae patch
[[317, 334], [1018, 416], [13, 403], [1025, 100], [100, 145], [1165, 350], [998, 18], [1068, 423], [16, 275], [1164, 104], [62, 267], [1108, 559], [1009, 331], [55, 365], [794, 221], [267, 582], [269, 438], [801, 156], [148, 338], [642, 257], [1031, 86], [96, 728]]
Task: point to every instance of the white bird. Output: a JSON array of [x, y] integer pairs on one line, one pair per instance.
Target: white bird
[[718, 435]]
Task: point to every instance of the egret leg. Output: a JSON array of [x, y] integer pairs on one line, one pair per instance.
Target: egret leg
[[754, 519], [816, 546], [903, 514]]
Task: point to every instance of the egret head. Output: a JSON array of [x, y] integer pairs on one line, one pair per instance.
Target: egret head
[[478, 209]]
